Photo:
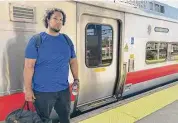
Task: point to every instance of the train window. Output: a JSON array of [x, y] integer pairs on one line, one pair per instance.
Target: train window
[[99, 45], [156, 52], [173, 53], [162, 10], [151, 6], [157, 8]]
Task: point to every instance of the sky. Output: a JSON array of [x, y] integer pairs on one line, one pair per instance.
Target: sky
[[173, 3]]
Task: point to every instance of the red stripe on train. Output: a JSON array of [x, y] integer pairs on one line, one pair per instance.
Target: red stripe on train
[[12, 102], [144, 75]]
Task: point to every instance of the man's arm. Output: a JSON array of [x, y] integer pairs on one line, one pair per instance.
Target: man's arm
[[74, 68], [28, 74]]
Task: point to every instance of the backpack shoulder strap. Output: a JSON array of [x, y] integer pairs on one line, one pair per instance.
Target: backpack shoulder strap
[[38, 40], [67, 39]]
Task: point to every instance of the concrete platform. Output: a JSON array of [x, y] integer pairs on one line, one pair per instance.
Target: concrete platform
[[156, 106], [168, 114]]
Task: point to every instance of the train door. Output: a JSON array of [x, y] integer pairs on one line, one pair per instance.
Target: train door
[[97, 59]]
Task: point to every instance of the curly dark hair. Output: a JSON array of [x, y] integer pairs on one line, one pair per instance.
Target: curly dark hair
[[50, 12]]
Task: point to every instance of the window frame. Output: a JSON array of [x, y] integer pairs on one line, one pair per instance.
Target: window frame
[[102, 24], [158, 59]]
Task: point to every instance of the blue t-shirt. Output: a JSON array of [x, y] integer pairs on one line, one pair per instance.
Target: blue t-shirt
[[52, 62]]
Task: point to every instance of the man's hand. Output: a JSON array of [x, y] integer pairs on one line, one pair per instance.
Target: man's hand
[[76, 82], [75, 87], [29, 95]]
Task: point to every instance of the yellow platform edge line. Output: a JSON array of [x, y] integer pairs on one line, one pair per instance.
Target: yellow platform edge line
[[138, 109]]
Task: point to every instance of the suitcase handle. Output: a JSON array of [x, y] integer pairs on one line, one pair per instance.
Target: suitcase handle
[[21, 110]]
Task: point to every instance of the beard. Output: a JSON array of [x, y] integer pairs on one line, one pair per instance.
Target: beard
[[55, 30]]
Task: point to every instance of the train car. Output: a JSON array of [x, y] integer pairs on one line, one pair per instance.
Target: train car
[[120, 50]]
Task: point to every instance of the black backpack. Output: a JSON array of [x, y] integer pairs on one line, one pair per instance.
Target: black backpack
[[39, 40], [23, 116]]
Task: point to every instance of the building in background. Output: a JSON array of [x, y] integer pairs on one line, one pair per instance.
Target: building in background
[[154, 7]]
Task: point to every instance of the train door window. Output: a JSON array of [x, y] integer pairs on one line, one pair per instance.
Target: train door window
[[173, 51], [99, 45], [156, 52]]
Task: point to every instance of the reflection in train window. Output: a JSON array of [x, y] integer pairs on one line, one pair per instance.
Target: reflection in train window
[[156, 52], [173, 51], [99, 45]]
